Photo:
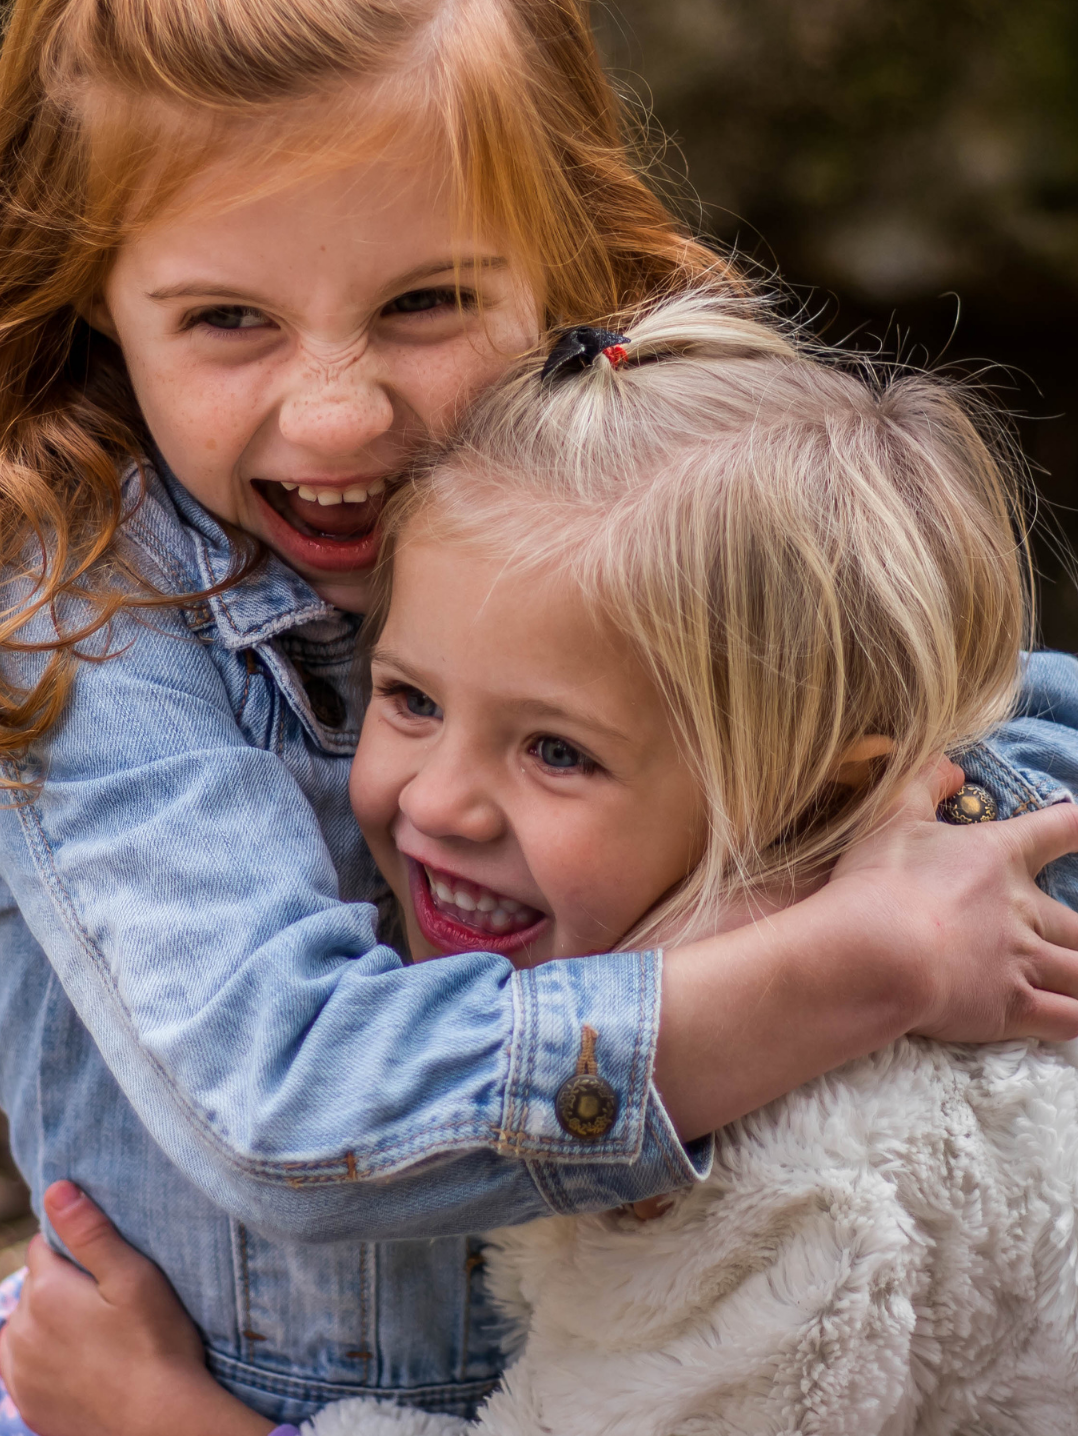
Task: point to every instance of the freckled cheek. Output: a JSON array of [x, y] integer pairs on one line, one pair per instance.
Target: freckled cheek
[[193, 418], [438, 390]]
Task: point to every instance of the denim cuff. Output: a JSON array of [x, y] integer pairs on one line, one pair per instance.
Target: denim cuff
[[598, 1015]]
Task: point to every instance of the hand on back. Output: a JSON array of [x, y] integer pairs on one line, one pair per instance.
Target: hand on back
[[113, 1353]]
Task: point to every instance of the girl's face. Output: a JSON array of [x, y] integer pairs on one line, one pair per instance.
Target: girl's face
[[517, 778], [290, 353]]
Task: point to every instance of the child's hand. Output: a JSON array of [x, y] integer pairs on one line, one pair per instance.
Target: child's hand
[[115, 1356], [923, 928], [990, 955]]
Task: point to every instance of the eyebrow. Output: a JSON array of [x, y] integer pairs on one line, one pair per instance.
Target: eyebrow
[[535, 707], [213, 289]]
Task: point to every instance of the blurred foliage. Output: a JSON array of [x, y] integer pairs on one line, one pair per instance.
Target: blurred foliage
[[898, 146], [911, 167]]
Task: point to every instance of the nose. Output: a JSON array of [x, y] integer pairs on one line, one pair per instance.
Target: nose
[[337, 408], [451, 797]]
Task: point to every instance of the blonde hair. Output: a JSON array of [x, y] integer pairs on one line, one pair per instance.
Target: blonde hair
[[107, 109], [803, 551]]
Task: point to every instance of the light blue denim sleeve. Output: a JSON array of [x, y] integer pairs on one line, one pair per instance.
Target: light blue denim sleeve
[[1037, 753], [177, 877]]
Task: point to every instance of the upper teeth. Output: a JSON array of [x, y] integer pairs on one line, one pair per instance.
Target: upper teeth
[[501, 909], [320, 494]]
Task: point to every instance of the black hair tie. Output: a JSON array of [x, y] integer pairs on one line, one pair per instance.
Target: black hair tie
[[580, 347]]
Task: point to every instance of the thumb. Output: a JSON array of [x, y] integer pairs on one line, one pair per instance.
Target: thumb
[[89, 1235], [927, 789], [942, 779]]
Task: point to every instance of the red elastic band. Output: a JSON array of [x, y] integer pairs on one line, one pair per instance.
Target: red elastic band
[[617, 354]]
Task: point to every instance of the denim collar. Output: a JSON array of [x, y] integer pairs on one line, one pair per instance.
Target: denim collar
[[270, 601]]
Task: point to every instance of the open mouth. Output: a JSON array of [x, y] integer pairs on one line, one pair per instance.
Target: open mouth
[[328, 526], [457, 915]]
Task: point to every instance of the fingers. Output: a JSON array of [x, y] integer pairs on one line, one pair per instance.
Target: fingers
[[1058, 924], [1043, 836], [90, 1237], [1049, 1017], [1054, 969]]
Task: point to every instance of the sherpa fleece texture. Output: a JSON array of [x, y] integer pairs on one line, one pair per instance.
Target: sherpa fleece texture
[[891, 1250]]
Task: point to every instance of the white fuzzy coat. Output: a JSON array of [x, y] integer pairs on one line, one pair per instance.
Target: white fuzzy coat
[[891, 1250]]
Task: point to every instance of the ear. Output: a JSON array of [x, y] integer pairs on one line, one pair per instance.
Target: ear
[[98, 316], [854, 768]]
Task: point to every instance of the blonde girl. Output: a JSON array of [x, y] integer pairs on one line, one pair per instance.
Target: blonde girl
[[252, 254], [740, 635]]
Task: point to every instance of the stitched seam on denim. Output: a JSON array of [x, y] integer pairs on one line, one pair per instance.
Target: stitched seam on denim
[[531, 1055], [245, 1267], [1019, 786], [276, 624], [472, 1260], [1005, 773], [139, 531], [364, 1313], [318, 1174], [675, 1169], [269, 627], [547, 1179], [259, 1379], [264, 1168], [519, 1039], [637, 1099], [327, 653], [243, 697], [277, 736], [252, 1375], [236, 1282]]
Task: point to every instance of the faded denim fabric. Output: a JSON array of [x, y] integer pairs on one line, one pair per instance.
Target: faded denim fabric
[[201, 1029], [1031, 761]]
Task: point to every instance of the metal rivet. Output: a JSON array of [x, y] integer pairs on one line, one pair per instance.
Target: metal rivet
[[971, 804]]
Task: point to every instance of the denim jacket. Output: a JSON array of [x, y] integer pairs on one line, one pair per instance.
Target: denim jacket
[[201, 1028]]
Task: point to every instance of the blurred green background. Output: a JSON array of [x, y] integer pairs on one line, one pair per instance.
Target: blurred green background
[[911, 168]]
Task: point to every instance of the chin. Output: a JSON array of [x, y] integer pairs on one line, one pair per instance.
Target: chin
[[350, 597]]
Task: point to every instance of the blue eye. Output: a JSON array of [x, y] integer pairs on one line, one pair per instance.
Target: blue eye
[[419, 705], [557, 753]]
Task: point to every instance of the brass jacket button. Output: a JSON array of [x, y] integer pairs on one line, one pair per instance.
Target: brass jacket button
[[971, 804], [586, 1106]]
